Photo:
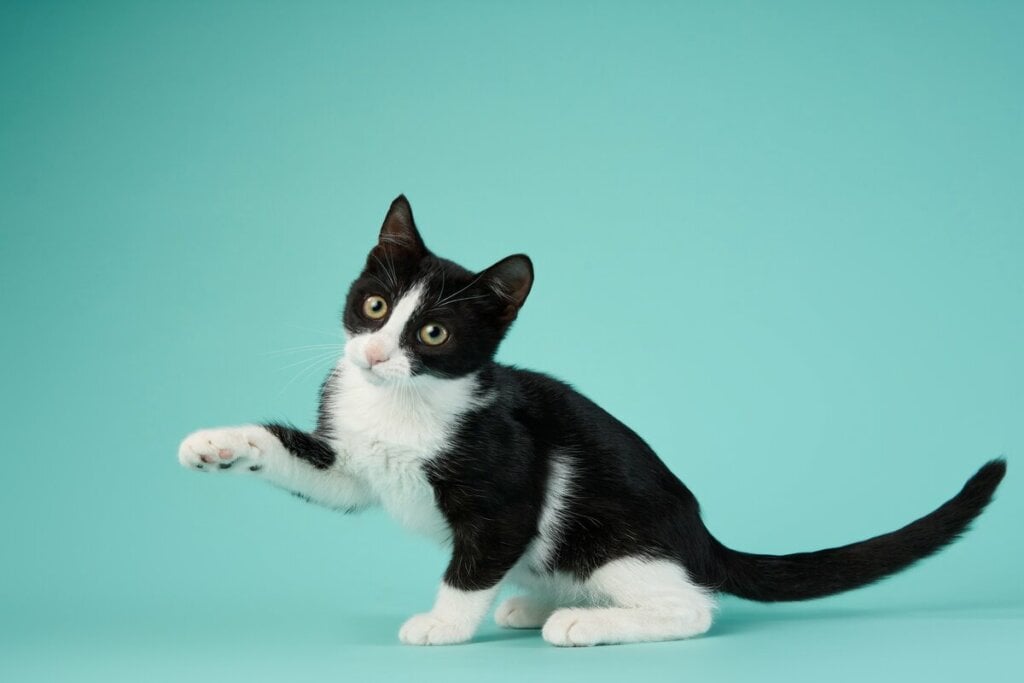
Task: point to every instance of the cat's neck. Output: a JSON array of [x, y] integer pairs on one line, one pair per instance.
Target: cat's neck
[[415, 411]]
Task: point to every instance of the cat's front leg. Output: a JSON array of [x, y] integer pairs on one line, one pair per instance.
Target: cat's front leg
[[481, 557], [300, 462], [455, 617]]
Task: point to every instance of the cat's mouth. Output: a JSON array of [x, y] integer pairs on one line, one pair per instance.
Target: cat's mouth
[[382, 374], [377, 373], [373, 376]]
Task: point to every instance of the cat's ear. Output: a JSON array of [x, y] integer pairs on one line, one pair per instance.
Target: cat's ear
[[399, 231], [510, 279]]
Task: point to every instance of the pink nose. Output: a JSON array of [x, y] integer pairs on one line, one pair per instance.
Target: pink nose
[[375, 354]]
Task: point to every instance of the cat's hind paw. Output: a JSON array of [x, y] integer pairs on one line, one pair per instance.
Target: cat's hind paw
[[522, 611], [221, 449], [575, 627]]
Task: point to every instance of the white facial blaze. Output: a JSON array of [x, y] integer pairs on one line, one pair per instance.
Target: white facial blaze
[[380, 353]]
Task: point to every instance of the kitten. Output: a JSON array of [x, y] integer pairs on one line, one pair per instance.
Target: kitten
[[527, 480]]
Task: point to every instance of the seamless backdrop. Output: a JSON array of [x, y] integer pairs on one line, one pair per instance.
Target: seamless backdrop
[[783, 241]]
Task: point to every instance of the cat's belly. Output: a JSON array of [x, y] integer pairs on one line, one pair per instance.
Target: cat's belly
[[560, 587]]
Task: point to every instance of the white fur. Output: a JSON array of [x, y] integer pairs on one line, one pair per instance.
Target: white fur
[[624, 601], [524, 611], [387, 432], [454, 618], [637, 600], [252, 446], [552, 517], [387, 342]]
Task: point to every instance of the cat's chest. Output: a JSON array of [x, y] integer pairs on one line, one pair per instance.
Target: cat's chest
[[387, 439], [396, 474]]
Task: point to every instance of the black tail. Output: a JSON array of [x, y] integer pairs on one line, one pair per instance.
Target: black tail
[[801, 576]]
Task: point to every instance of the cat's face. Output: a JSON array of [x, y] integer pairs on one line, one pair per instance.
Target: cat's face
[[411, 313]]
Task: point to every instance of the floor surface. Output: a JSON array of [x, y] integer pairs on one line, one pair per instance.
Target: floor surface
[[748, 643]]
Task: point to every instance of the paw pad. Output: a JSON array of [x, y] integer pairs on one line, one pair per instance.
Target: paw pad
[[221, 449]]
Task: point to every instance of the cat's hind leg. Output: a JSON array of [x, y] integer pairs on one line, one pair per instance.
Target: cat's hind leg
[[640, 600]]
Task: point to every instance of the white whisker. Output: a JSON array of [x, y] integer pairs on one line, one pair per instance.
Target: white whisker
[[325, 355], [335, 334], [464, 298], [454, 294], [387, 271], [308, 368], [299, 349]]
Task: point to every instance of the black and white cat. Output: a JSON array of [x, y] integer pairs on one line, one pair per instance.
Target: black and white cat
[[527, 480]]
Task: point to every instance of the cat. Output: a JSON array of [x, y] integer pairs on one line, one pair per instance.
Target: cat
[[524, 478]]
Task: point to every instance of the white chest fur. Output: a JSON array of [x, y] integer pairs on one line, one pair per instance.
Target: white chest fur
[[386, 433]]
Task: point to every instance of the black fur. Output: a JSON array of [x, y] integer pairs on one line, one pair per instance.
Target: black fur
[[802, 576], [308, 447], [491, 482], [627, 503]]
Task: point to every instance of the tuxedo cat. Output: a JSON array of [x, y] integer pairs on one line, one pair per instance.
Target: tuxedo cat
[[525, 479]]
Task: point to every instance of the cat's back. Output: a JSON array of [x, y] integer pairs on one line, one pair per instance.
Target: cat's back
[[547, 404]]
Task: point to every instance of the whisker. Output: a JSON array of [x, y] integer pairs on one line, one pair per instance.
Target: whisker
[[298, 349], [326, 355], [394, 274], [454, 294], [387, 271], [441, 291], [465, 298], [383, 284], [315, 367], [305, 371], [334, 334]]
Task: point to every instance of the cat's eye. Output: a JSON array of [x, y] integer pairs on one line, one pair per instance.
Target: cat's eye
[[433, 334], [375, 307]]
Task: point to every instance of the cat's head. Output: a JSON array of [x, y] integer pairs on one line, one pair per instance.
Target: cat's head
[[411, 313]]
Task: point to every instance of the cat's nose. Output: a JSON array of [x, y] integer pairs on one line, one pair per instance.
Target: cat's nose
[[375, 353]]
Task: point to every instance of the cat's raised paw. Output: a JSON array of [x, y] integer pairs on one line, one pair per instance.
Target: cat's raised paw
[[220, 449], [427, 629]]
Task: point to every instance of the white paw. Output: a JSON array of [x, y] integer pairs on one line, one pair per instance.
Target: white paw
[[574, 628], [522, 612], [426, 629], [222, 449]]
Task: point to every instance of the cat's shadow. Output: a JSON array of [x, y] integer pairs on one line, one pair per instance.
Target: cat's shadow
[[742, 618], [507, 634], [379, 629], [733, 619]]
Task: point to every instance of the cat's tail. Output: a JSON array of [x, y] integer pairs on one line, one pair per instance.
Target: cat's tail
[[802, 576]]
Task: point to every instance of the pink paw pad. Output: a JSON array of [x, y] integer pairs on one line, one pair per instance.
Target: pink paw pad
[[224, 453]]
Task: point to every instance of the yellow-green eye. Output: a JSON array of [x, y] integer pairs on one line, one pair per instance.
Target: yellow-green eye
[[374, 307], [433, 334]]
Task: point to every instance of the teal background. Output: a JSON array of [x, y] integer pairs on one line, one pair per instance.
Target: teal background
[[783, 241]]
